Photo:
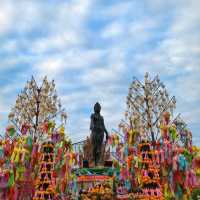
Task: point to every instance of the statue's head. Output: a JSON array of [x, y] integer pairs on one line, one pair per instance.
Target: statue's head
[[97, 108]]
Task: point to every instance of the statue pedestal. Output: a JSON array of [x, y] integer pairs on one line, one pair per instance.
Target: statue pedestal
[[87, 155]]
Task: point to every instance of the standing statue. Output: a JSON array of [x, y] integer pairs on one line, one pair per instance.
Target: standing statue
[[98, 129]]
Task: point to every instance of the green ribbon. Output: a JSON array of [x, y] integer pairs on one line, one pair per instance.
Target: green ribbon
[[11, 179]]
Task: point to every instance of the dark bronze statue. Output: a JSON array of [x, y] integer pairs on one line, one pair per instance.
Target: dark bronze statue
[[98, 129]]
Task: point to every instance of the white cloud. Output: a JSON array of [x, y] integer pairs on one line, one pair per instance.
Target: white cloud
[[51, 65], [117, 10], [6, 13], [72, 59], [4, 107], [101, 75], [67, 28], [189, 83], [113, 30], [187, 18], [56, 42], [178, 51], [20, 17]]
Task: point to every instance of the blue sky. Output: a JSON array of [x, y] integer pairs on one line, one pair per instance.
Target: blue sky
[[93, 48]]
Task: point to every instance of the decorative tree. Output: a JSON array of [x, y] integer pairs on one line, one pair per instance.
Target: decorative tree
[[149, 120], [145, 105], [34, 106]]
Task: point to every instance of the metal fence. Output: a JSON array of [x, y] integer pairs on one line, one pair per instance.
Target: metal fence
[[78, 146]]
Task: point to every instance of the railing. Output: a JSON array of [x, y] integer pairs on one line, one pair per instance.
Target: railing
[[78, 146]]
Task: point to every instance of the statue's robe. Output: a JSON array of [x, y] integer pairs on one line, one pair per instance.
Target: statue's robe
[[98, 128]]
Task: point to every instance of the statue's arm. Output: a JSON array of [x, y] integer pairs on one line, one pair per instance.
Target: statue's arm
[[105, 130], [91, 123]]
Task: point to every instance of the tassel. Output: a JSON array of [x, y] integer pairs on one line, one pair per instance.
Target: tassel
[[179, 192], [59, 155], [11, 193], [152, 192], [158, 156], [17, 174], [10, 130], [194, 181], [126, 151], [145, 173], [75, 187], [162, 156], [42, 196], [166, 152], [145, 191], [153, 156], [169, 153], [182, 163], [16, 192], [187, 179], [136, 162], [22, 157], [158, 192], [29, 141], [1, 153], [127, 184], [11, 179], [34, 151], [174, 163], [171, 178], [17, 156], [13, 156]]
